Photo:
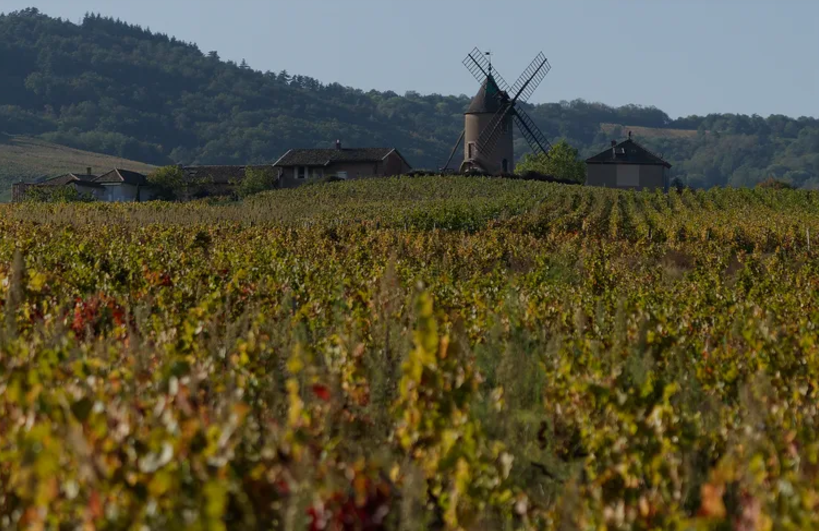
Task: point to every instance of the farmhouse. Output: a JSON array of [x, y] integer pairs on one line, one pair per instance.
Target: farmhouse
[[627, 165], [297, 166], [123, 186]]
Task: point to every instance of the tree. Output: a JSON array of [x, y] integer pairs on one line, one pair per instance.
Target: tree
[[775, 184], [562, 162], [257, 181], [169, 183]]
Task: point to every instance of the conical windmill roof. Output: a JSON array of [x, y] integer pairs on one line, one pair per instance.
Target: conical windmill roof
[[489, 98]]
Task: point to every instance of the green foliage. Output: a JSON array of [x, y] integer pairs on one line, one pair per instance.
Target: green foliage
[[465, 472], [770, 182], [257, 180], [169, 183], [474, 354], [562, 161], [56, 194], [229, 383], [116, 88]]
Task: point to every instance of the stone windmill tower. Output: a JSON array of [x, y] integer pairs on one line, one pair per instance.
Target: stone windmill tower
[[488, 134]]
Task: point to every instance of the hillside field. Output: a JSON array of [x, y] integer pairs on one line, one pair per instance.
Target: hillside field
[[28, 159], [413, 353], [649, 132]]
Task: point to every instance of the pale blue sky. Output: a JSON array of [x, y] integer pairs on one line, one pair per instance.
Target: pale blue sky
[[684, 56]]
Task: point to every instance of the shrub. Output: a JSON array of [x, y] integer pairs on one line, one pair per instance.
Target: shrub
[[562, 162], [169, 183], [56, 194], [257, 180]]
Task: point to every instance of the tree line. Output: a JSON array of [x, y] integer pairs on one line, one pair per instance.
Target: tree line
[[112, 87]]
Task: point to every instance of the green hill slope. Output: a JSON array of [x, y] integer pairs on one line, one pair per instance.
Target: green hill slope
[[106, 86]]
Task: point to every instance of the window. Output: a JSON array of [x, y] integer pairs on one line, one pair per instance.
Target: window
[[470, 150], [302, 172]]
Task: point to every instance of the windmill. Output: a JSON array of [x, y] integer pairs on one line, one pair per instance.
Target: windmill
[[488, 136]]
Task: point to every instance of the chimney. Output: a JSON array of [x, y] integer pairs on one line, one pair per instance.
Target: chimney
[[338, 144], [88, 171], [629, 135], [614, 149]]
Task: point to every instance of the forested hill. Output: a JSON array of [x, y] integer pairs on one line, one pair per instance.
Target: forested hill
[[115, 88]]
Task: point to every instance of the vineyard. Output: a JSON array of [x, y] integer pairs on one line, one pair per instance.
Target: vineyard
[[413, 353]]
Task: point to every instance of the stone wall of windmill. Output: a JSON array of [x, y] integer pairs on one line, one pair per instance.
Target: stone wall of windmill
[[502, 158]]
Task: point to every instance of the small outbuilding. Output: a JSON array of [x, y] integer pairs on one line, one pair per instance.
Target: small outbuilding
[[628, 165], [297, 166]]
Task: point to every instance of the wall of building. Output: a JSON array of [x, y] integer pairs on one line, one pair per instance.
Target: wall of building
[[120, 193], [289, 176], [504, 150], [653, 177], [94, 191], [146, 193], [18, 191], [356, 170], [394, 165], [627, 176]]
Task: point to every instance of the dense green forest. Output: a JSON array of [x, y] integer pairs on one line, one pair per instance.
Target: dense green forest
[[115, 88]]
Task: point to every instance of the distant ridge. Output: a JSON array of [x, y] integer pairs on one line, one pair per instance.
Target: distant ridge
[[110, 87]]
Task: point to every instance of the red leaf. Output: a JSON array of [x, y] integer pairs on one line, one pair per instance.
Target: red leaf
[[321, 392], [95, 506]]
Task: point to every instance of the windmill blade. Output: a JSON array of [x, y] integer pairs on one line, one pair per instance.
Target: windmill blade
[[531, 132], [492, 132], [479, 66], [530, 79]]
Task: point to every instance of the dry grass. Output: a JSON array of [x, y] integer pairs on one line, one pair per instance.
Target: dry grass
[[26, 159], [651, 132]]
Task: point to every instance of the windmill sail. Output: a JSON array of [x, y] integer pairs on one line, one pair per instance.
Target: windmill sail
[[492, 133], [480, 67], [531, 132], [530, 79]]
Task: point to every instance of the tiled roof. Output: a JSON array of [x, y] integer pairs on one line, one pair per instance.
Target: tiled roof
[[69, 178], [88, 184], [627, 152], [325, 157], [122, 176], [220, 174], [488, 100]]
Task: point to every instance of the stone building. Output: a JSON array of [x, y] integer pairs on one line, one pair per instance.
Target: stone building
[[298, 166], [478, 119], [628, 165]]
